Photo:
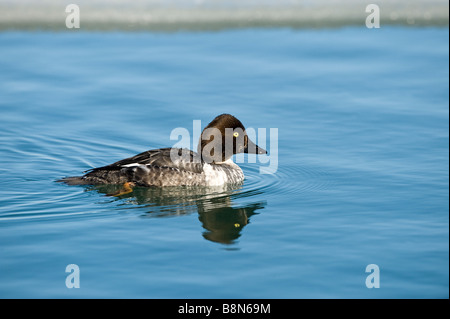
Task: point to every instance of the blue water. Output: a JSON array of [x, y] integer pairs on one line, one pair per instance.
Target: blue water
[[362, 178]]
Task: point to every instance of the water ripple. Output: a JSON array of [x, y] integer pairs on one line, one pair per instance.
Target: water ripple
[[33, 192], [288, 180]]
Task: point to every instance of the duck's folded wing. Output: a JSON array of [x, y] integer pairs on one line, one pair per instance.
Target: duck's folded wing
[[175, 158]]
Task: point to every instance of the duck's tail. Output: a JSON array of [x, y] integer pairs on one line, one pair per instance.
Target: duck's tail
[[74, 180]]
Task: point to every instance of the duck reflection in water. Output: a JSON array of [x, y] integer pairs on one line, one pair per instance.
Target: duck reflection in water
[[222, 221]]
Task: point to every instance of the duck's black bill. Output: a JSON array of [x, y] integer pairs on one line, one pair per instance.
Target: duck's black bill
[[252, 148]]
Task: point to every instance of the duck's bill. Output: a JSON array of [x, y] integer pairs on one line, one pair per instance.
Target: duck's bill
[[252, 148]]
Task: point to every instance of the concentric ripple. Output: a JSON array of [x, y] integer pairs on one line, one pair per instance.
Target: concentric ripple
[[288, 180]]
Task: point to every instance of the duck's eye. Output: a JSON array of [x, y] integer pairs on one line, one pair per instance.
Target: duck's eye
[[235, 134]]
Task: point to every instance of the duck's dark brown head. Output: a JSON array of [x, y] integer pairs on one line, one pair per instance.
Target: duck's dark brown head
[[224, 137]]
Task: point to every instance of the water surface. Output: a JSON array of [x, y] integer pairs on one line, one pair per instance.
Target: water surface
[[362, 118]]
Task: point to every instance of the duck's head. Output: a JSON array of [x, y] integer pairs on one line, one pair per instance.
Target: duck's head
[[224, 137]]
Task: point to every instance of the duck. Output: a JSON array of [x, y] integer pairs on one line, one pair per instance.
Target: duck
[[211, 165]]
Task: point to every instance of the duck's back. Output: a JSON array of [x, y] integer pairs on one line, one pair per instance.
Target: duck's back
[[162, 167], [159, 167]]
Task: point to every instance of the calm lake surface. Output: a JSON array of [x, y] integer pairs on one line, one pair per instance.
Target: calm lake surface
[[362, 163]]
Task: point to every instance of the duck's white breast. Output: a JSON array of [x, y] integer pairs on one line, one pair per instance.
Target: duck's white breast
[[222, 173]]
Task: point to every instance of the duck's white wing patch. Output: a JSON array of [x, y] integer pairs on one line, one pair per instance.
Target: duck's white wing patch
[[132, 165]]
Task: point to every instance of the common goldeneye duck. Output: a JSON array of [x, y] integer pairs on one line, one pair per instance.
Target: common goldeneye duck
[[210, 166]]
